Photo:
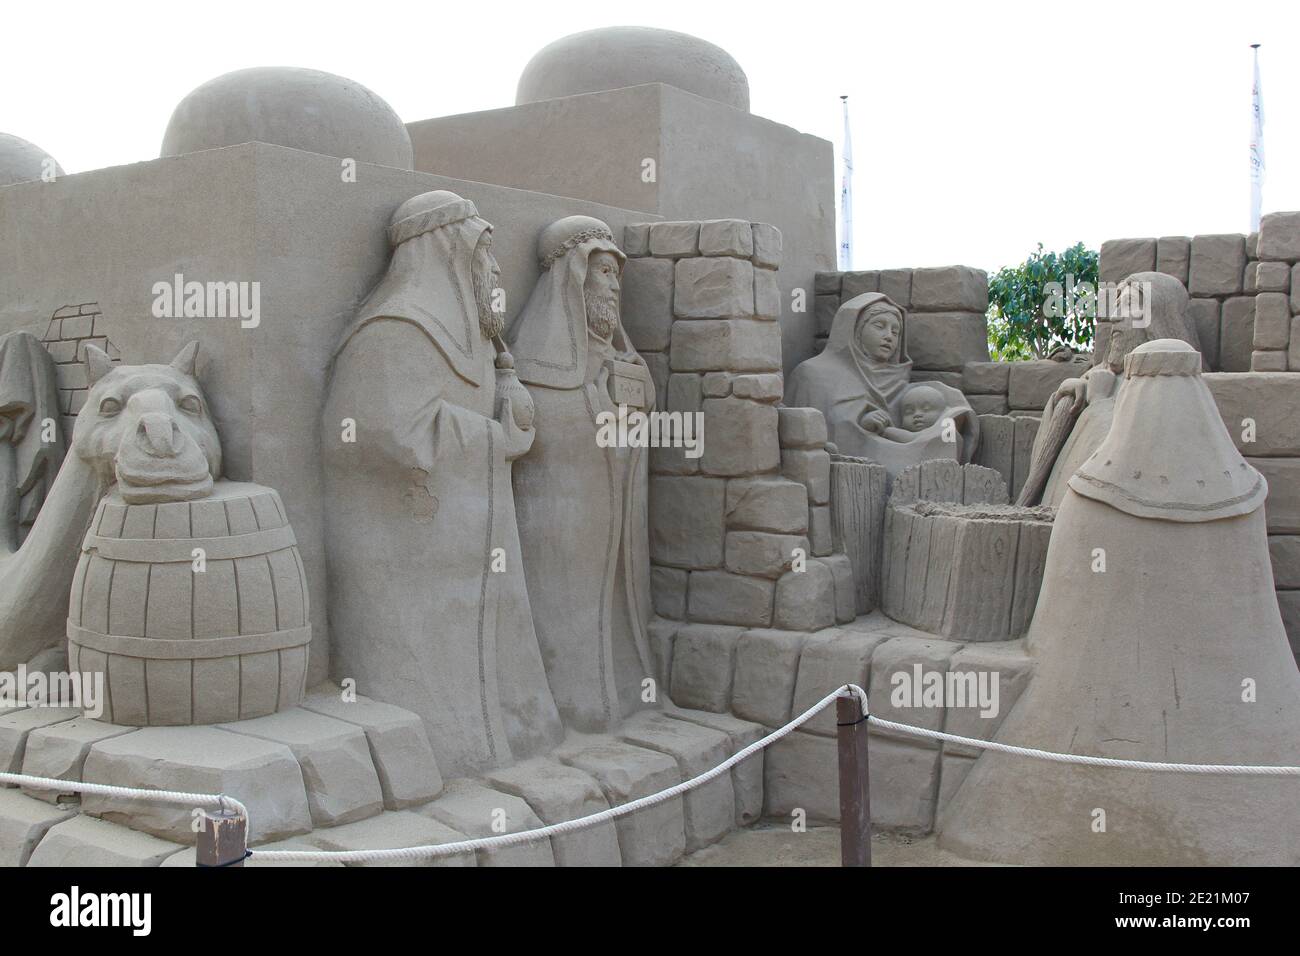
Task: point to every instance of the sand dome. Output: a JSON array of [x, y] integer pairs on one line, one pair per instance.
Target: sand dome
[[21, 161], [614, 57], [303, 109]]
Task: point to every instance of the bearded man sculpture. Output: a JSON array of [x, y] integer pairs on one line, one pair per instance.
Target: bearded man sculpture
[[582, 507], [426, 585], [1077, 417]]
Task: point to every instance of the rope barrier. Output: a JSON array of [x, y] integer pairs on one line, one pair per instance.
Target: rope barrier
[[568, 826], [216, 800], [230, 805], [1114, 762]]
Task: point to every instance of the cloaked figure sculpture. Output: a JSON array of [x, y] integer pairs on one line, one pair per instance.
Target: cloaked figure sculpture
[[582, 507], [1157, 637], [1076, 419], [860, 383], [426, 586], [31, 447]]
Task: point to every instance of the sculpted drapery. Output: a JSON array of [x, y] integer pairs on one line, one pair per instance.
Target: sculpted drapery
[[858, 383], [582, 508], [427, 593], [1077, 418]]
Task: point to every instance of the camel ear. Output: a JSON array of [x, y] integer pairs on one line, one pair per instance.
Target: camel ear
[[98, 364], [186, 358]]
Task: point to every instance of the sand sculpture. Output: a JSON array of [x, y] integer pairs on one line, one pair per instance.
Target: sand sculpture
[[576, 500], [378, 575], [1173, 684], [862, 385], [1076, 419], [144, 429], [427, 622], [31, 445]]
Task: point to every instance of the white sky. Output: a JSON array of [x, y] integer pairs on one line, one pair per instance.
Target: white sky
[[979, 129]]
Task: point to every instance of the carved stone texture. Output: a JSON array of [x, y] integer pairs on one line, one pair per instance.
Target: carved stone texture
[[1272, 322], [1174, 256], [858, 494], [1121, 258], [950, 289], [1218, 263], [1279, 236], [967, 572], [186, 638]]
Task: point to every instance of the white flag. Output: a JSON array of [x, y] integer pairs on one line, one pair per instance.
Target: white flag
[[846, 197], [1256, 147]]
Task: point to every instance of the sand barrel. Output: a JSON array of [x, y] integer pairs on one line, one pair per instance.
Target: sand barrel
[[181, 642]]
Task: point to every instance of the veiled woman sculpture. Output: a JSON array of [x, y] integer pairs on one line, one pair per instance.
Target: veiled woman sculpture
[[861, 383]]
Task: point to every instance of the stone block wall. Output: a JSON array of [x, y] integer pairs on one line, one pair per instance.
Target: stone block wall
[[1244, 291], [1016, 388], [946, 305], [1261, 411], [72, 328], [701, 304], [766, 676]]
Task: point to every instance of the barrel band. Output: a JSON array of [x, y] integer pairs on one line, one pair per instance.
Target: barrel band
[[203, 648], [181, 550]]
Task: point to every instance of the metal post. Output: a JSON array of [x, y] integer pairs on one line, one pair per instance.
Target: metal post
[[855, 795], [223, 841]]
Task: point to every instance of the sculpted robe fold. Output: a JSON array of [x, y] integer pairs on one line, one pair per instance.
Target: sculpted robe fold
[[427, 594], [582, 508]]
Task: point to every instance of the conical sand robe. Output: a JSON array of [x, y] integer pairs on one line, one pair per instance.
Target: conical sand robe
[[1147, 660]]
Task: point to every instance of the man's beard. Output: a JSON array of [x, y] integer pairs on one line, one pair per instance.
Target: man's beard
[[602, 316], [490, 322]]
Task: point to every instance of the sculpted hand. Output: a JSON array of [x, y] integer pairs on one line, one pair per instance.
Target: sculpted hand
[[518, 440], [876, 421], [1075, 388]]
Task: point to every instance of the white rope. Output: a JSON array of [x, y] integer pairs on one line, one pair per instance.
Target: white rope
[[217, 800], [568, 826], [1210, 768], [231, 805]]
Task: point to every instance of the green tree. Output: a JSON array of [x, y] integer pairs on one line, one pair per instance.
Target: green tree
[[1047, 301]]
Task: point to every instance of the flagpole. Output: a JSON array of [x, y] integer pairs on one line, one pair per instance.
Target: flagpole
[[1256, 146], [846, 196]]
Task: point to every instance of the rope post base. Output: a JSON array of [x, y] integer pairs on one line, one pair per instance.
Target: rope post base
[[855, 795], [223, 841]]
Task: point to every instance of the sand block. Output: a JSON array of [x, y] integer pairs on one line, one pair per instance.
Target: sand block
[[85, 841], [399, 746], [59, 751], [16, 725], [709, 810], [655, 836], [23, 823], [263, 774], [479, 811], [390, 830], [342, 785], [831, 659], [767, 662], [556, 793], [746, 776]]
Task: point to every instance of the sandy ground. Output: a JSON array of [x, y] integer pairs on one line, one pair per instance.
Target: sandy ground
[[772, 844]]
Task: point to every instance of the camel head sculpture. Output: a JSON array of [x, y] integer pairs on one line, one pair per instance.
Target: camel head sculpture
[[148, 428]]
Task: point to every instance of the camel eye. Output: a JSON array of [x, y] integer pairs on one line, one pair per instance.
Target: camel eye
[[191, 404], [109, 407]]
